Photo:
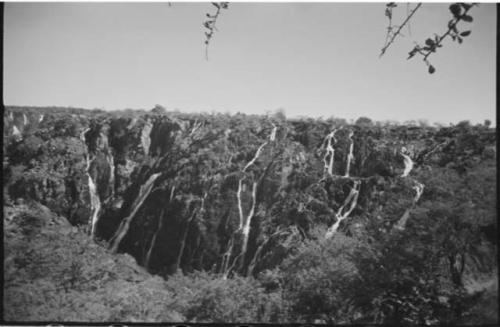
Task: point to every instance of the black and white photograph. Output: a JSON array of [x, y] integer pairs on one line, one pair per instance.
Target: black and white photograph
[[308, 163]]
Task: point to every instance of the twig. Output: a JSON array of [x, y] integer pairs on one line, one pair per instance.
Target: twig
[[451, 27], [210, 23], [431, 45], [399, 29]]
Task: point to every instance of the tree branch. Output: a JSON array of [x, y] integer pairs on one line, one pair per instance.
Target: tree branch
[[405, 22], [210, 23]]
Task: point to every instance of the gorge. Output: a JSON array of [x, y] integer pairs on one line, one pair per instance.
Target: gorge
[[245, 196]]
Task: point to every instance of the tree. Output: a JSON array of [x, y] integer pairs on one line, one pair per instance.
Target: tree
[[320, 278], [159, 109], [459, 11], [364, 121]]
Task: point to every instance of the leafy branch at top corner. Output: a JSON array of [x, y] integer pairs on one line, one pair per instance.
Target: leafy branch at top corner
[[209, 24], [459, 12], [394, 30]]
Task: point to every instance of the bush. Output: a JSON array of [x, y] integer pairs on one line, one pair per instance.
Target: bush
[[54, 272], [319, 280], [204, 297]]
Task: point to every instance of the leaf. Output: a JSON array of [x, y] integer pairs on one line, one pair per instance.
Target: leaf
[[466, 6], [411, 53], [459, 39], [388, 13], [429, 42], [216, 4], [465, 33], [467, 18], [431, 69], [455, 9]]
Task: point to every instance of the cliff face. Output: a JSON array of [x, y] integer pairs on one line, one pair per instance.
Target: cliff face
[[237, 194]]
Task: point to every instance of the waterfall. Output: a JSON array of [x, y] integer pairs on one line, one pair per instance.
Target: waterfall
[[95, 203], [16, 132], [196, 125], [146, 136], [419, 189], [257, 154], [172, 193], [240, 207], [111, 162], [226, 257], [11, 116], [103, 144], [25, 120], [153, 240], [330, 151], [350, 156], [132, 123], [251, 266], [82, 134], [160, 226], [401, 224], [273, 133], [408, 162], [125, 224], [352, 198], [194, 214], [246, 228], [41, 118]]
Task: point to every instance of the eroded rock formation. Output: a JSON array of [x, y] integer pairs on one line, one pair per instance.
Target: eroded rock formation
[[225, 194]]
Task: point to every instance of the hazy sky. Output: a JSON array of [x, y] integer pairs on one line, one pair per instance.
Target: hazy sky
[[309, 59]]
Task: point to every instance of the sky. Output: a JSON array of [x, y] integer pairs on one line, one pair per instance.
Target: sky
[[308, 59]]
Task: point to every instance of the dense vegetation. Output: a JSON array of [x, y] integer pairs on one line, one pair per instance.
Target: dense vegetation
[[247, 218]]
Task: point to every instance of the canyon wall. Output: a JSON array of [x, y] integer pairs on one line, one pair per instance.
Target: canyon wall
[[229, 194]]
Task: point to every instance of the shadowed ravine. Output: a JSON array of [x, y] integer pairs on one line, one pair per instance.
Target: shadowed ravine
[[351, 218]]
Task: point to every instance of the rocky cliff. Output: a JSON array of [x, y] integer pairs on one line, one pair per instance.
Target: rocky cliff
[[238, 195]]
